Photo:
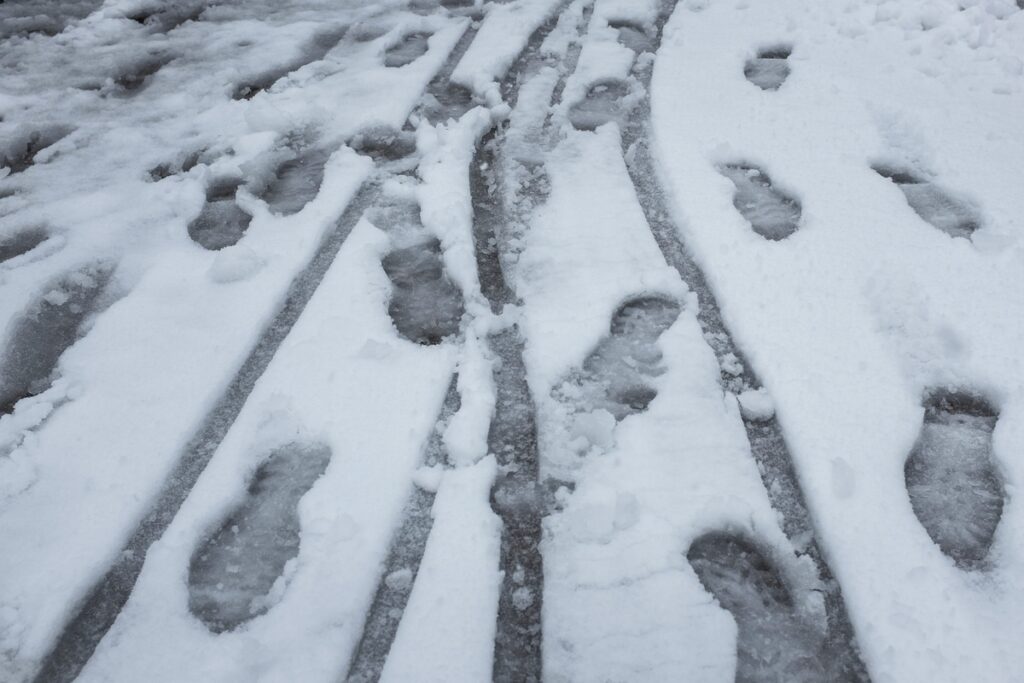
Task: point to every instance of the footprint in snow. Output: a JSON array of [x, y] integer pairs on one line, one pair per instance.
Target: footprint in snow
[[616, 375], [411, 47], [634, 36], [317, 49], [221, 223], [954, 487], [772, 213], [48, 328], [232, 573], [20, 152], [297, 181], [775, 643], [606, 101], [21, 242], [770, 68], [426, 306], [936, 206]]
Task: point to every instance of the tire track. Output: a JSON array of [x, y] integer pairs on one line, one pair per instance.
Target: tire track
[[517, 496], [97, 612], [767, 443]]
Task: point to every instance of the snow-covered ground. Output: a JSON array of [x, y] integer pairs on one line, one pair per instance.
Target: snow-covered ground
[[563, 340]]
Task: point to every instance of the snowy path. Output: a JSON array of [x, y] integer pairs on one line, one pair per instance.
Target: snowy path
[[562, 340]]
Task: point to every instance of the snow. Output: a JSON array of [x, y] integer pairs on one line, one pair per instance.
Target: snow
[[251, 232], [851, 319]]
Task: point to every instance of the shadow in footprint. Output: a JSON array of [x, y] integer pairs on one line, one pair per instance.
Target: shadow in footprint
[[770, 68], [47, 329], [774, 643], [447, 103], [383, 143], [232, 575], [771, 213], [20, 153], [163, 19], [297, 181], [606, 101], [222, 222], [133, 78], [319, 46], [951, 478], [615, 376], [21, 242], [426, 306], [183, 164], [634, 36], [935, 205], [410, 48]]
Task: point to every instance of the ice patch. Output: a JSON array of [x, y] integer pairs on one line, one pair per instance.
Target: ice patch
[[771, 213], [954, 487], [233, 574], [634, 36]]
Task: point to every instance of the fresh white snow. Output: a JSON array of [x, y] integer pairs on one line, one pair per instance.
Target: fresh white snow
[[846, 176]]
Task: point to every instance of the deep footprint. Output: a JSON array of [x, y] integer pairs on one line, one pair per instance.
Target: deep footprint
[[772, 213], [297, 181], [222, 222], [134, 77], [936, 206], [770, 68], [633, 36], [774, 643], [382, 143], [21, 153], [317, 49], [615, 376], [410, 48], [45, 331], [426, 306], [233, 572], [21, 242], [165, 19], [605, 102], [954, 487]]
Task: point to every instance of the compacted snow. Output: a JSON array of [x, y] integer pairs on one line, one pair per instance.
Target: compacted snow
[[561, 340]]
